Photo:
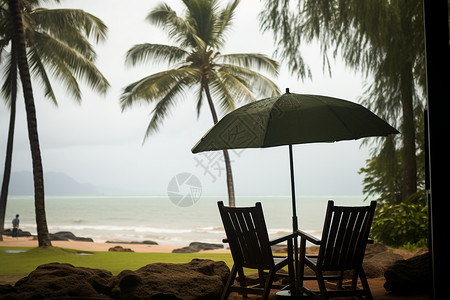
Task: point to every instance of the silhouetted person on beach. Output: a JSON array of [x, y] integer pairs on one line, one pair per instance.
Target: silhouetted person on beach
[[15, 223]]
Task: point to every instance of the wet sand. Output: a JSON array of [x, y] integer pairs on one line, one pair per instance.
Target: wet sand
[[95, 246]]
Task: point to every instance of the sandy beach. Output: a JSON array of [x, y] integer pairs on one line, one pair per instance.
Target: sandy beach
[[94, 246]]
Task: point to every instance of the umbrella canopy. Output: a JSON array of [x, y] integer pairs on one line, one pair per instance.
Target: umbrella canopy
[[292, 119]]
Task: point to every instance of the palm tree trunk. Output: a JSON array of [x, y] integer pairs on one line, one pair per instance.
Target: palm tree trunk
[[230, 184], [38, 175], [9, 145], [409, 136], [226, 156]]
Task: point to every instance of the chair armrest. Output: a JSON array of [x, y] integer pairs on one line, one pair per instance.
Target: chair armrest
[[282, 239], [308, 237]]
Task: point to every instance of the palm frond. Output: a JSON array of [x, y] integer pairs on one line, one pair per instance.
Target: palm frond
[[7, 84], [252, 60], [222, 95], [172, 93], [224, 22], [58, 46], [199, 101], [38, 70], [65, 24], [163, 107], [156, 86], [258, 83], [178, 29], [148, 52], [58, 55]]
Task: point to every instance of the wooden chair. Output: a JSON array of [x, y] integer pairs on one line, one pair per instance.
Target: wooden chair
[[344, 239], [250, 247]]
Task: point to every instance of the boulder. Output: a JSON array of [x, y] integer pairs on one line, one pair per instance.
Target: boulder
[[410, 276], [67, 235], [20, 233], [198, 279], [56, 280], [197, 247], [119, 249], [134, 242], [377, 259]]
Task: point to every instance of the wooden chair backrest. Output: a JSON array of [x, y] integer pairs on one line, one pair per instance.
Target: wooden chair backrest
[[344, 237], [247, 236]]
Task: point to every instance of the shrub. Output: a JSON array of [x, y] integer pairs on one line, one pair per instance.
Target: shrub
[[400, 224]]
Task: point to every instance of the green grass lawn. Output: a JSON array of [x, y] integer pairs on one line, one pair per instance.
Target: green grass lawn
[[24, 262]]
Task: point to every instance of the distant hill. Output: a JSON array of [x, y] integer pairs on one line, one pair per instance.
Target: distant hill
[[56, 184]]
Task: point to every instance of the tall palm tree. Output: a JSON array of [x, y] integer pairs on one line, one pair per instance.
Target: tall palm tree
[[380, 38], [57, 46], [197, 61], [19, 37]]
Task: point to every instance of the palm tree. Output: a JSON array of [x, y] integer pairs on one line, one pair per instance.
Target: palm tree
[[38, 175], [57, 41], [380, 38], [196, 61]]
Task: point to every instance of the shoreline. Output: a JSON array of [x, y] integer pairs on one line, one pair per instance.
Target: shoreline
[[98, 246]]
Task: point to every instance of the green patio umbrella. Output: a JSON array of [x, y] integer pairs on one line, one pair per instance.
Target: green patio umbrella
[[292, 119]]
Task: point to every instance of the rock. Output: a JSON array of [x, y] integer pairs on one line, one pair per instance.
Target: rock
[[143, 242], [54, 237], [377, 259], [70, 236], [197, 247], [65, 236], [410, 276], [20, 233], [56, 280], [198, 279], [119, 249]]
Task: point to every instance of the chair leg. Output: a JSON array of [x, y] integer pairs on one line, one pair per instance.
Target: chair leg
[[242, 280], [322, 287], [365, 284], [292, 285], [261, 277], [341, 279], [268, 284], [355, 279], [231, 277], [300, 267]]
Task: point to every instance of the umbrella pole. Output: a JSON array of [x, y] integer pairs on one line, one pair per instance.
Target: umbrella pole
[[294, 208], [288, 293], [294, 220]]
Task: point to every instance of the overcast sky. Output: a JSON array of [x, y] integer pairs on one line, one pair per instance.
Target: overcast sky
[[94, 142]]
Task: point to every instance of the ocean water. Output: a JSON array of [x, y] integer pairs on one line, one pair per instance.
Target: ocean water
[[157, 218]]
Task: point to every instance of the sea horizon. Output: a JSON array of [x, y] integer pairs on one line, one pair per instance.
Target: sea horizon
[[162, 219]]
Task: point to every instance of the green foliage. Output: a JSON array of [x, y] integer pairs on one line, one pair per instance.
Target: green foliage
[[423, 243], [402, 224], [397, 223], [382, 174]]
